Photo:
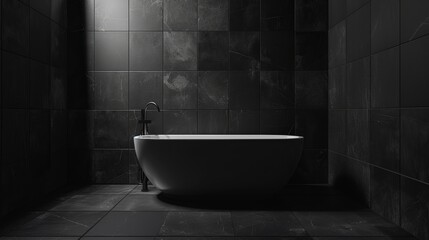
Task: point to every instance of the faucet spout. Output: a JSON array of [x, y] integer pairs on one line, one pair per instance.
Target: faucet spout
[[145, 122]]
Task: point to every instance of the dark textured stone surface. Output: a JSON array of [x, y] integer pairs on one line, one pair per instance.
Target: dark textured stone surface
[[145, 87], [197, 224], [247, 97], [39, 37], [337, 87], [40, 86], [414, 73], [213, 90], [15, 27], [213, 15], [385, 194], [111, 15], [180, 15], [213, 51], [277, 90], [311, 53], [267, 224], [414, 16], [110, 166], [353, 5], [244, 50], [311, 15], [358, 83], [414, 205], [337, 11], [180, 51], [245, 15], [385, 138], [312, 168], [93, 203], [385, 78], [110, 129], [243, 122], [337, 131], [311, 89], [414, 140], [312, 125], [145, 51], [277, 51], [213, 121], [337, 44], [111, 51], [277, 15], [15, 80], [145, 15], [358, 34], [277, 122], [180, 122], [180, 90], [384, 24], [358, 134], [110, 91]]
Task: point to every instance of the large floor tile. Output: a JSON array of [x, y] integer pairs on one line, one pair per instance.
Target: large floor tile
[[267, 224], [99, 202], [39, 238], [135, 202], [152, 190], [129, 224], [106, 189], [197, 224], [351, 224], [55, 224]]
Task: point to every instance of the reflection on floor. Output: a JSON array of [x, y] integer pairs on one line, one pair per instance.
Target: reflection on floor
[[124, 212]]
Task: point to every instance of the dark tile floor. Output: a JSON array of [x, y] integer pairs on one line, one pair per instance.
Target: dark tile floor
[[124, 212]]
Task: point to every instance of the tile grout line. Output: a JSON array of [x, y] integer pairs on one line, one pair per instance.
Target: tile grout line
[[99, 220]]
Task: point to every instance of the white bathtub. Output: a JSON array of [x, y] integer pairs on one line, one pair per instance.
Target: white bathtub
[[195, 165]]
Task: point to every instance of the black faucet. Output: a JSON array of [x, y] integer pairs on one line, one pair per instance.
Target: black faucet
[[144, 121], [145, 131]]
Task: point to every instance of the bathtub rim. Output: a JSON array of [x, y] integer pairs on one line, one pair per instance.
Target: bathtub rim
[[216, 137]]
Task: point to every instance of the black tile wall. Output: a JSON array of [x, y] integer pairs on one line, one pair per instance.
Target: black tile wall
[[378, 116], [33, 97], [213, 66]]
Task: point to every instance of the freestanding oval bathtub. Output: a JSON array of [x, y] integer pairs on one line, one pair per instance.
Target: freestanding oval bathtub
[[201, 165]]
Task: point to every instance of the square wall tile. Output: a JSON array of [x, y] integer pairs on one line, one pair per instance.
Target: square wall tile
[[244, 15], [244, 90], [277, 15], [145, 51], [244, 50], [312, 124], [181, 122], [180, 50], [277, 90], [337, 11], [243, 122], [277, 122], [213, 50], [40, 85], [385, 194], [385, 74], [277, 50], [385, 138], [110, 166], [213, 90], [110, 91], [414, 205], [358, 134], [40, 36], [337, 87], [213, 15], [145, 15], [337, 44], [353, 5], [111, 51], [311, 88], [15, 27], [414, 140], [385, 15], [110, 129], [213, 121], [58, 46], [358, 83], [111, 15], [145, 87], [337, 131], [414, 14], [180, 15], [180, 90], [311, 15], [359, 34], [39, 147], [414, 73], [15, 80], [311, 52]]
